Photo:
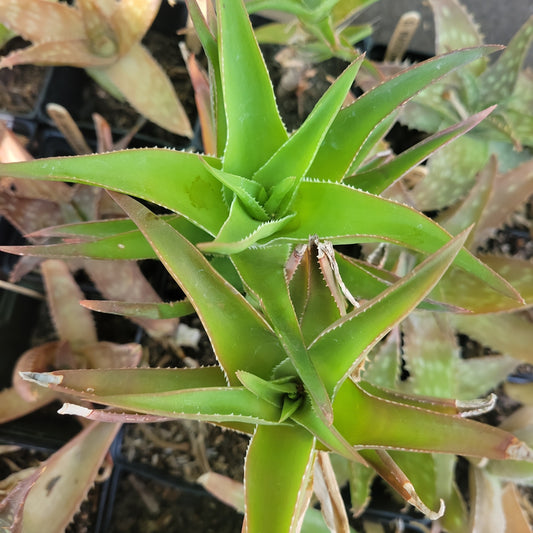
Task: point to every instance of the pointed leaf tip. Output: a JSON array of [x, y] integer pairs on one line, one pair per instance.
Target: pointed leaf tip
[[44, 379], [519, 451], [421, 506]]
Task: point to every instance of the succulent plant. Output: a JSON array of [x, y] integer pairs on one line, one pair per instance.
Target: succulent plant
[[508, 133], [249, 235]]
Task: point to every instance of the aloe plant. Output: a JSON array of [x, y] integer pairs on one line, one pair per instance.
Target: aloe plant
[[508, 133], [250, 239], [104, 38], [316, 31]]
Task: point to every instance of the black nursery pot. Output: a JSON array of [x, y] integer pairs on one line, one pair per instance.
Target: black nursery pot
[[160, 502]]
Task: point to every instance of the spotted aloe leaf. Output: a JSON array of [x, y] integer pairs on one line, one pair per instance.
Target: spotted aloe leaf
[[471, 208], [431, 351], [508, 333], [455, 28], [451, 173], [104, 38], [509, 190], [517, 113], [497, 83]]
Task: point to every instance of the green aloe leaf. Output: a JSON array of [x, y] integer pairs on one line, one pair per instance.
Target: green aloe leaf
[[206, 33], [250, 193], [263, 272], [378, 179], [384, 424], [158, 310], [271, 391], [278, 457], [255, 130], [121, 381], [240, 231], [369, 218], [225, 313], [108, 239], [345, 9], [366, 281], [298, 152], [172, 179], [126, 246], [354, 334], [357, 121], [470, 293], [415, 485], [108, 228], [317, 307], [199, 394]]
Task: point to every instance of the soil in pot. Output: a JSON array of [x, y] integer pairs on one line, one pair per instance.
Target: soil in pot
[[20, 86], [149, 507]]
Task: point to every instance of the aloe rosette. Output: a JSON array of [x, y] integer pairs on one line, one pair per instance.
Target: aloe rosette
[[103, 37], [249, 239]]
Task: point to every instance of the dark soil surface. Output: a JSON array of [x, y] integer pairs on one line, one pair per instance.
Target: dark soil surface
[[21, 85]]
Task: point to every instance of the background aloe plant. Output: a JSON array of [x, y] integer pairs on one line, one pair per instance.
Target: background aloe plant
[[104, 38], [250, 240], [508, 131], [316, 31]]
